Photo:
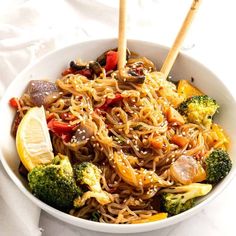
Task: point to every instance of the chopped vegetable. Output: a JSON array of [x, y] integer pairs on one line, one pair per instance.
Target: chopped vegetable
[[179, 140], [218, 138], [42, 92], [95, 216], [67, 72], [158, 216], [78, 69], [75, 67], [90, 175], [181, 198], [174, 117], [13, 102], [83, 132], [85, 72], [60, 127], [156, 143], [67, 116], [133, 176], [187, 90], [54, 183], [95, 67], [111, 101], [111, 60], [143, 61], [187, 170], [218, 165], [199, 110], [167, 89]]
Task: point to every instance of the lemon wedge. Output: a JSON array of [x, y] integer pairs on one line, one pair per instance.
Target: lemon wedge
[[33, 142]]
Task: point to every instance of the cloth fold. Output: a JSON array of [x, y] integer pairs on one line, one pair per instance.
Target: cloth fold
[[18, 215]]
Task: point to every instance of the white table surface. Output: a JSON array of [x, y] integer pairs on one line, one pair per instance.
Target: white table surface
[[212, 41]]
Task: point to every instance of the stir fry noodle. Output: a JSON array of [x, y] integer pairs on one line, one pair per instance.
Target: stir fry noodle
[[146, 137]]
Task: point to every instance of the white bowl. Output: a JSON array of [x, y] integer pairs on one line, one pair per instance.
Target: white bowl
[[51, 67]]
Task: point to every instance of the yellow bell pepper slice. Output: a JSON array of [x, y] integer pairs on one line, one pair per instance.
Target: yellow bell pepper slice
[[158, 216]]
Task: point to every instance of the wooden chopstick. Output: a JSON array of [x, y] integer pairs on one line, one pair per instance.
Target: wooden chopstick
[[122, 43], [173, 53]]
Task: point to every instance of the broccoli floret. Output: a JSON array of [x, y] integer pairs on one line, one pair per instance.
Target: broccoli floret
[[181, 198], [54, 183], [199, 109], [218, 165], [88, 174], [95, 216]]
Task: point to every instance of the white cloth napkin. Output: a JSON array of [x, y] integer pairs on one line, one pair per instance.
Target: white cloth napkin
[[18, 215]]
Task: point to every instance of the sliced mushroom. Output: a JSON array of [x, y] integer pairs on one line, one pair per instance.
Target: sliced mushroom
[[76, 67], [132, 77], [43, 92], [143, 61], [95, 67], [84, 132]]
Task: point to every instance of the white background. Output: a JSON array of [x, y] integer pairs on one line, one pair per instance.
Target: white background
[[41, 26]]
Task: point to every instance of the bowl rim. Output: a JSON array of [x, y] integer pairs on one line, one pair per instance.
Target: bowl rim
[[105, 227]]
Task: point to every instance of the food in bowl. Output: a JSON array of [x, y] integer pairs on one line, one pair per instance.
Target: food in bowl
[[119, 150]]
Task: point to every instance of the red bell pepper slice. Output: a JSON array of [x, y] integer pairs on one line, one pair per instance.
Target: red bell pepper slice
[[111, 60], [67, 116], [85, 72], [61, 129], [67, 72], [111, 101], [13, 102]]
